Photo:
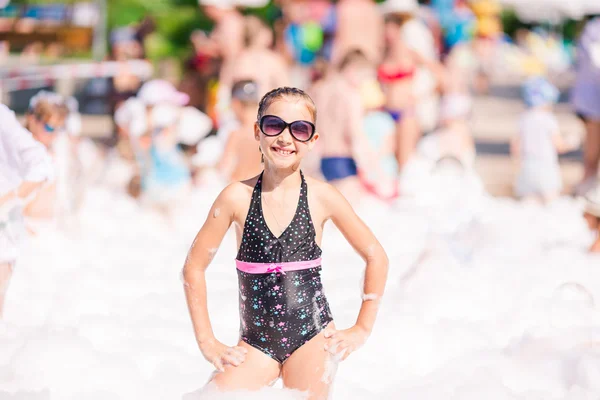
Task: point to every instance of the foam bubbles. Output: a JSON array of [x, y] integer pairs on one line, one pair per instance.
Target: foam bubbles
[[497, 304]]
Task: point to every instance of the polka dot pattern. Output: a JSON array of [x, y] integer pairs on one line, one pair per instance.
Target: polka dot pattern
[[279, 312], [296, 243]]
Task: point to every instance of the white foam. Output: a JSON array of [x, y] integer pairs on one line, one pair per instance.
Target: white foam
[[500, 304]]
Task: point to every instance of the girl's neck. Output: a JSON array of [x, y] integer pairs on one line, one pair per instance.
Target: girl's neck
[[274, 178]]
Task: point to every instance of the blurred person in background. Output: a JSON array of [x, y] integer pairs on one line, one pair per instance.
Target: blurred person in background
[[25, 167], [76, 159], [453, 138], [124, 47], [379, 179], [228, 31], [201, 74], [344, 148], [488, 33], [256, 61], [306, 35], [417, 35], [241, 158], [591, 214], [359, 25], [46, 119], [398, 73], [158, 123], [134, 119], [538, 143], [227, 40], [165, 174], [585, 98]]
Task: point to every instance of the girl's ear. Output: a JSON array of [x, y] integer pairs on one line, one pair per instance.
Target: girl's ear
[[256, 131], [312, 141]]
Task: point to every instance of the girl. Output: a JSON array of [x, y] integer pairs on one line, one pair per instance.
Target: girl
[[24, 167], [286, 326]]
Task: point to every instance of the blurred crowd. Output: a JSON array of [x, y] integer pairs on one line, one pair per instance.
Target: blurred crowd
[[393, 83], [407, 74]]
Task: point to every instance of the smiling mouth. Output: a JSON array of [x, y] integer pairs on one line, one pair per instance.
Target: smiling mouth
[[283, 152]]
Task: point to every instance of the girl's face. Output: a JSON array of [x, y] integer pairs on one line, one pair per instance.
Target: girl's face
[[46, 131], [284, 151]]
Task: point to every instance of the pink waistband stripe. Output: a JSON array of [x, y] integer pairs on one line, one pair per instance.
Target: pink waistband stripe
[[267, 268]]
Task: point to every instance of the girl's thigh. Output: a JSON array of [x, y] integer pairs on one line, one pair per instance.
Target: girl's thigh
[[310, 368], [256, 372]]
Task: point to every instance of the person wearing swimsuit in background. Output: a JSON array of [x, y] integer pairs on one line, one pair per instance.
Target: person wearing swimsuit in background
[[286, 325], [345, 149], [397, 75]]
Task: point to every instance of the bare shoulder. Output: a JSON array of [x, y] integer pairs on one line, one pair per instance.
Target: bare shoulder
[[238, 191], [325, 195]]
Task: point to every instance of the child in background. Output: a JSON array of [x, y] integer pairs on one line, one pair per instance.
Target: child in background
[[74, 157], [134, 119], [24, 168], [380, 178], [241, 158], [538, 144], [165, 172], [592, 216], [45, 119]]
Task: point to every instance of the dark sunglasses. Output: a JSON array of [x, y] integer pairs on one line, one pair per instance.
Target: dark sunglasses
[[272, 125]]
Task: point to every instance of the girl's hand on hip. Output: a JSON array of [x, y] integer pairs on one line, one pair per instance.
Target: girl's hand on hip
[[345, 342], [220, 355]]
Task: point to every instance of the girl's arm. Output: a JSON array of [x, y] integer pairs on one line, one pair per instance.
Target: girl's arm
[[201, 253], [368, 247]]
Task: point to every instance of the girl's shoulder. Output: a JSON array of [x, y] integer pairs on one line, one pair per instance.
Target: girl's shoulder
[[324, 193], [316, 186], [238, 193]]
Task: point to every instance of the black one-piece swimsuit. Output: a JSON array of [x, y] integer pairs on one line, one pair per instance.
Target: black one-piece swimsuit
[[282, 304]]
